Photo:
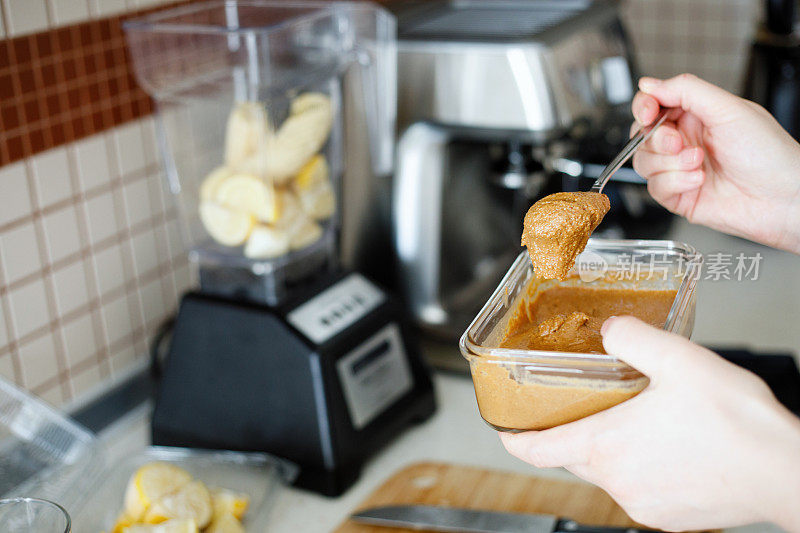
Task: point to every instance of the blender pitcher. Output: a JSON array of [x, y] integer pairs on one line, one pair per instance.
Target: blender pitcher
[[258, 102]]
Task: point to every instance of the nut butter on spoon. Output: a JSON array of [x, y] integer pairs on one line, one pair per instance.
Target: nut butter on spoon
[[557, 227]]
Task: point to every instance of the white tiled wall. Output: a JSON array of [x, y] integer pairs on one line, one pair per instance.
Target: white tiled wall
[[709, 38], [91, 261]]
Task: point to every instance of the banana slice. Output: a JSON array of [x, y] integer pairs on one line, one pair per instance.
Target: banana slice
[[208, 188], [305, 234], [266, 242], [247, 132], [149, 484], [227, 227], [192, 501], [226, 501], [300, 136], [248, 193], [171, 526]]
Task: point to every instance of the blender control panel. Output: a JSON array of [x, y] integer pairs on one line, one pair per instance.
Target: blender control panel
[[374, 375], [336, 308]]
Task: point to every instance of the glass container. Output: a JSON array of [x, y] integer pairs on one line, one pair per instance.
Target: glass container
[[23, 515], [46, 457], [255, 474], [518, 389], [254, 99]]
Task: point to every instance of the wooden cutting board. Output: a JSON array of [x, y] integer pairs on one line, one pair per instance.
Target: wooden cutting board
[[470, 487]]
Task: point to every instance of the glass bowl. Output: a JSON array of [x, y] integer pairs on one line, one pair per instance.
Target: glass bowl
[[521, 390]]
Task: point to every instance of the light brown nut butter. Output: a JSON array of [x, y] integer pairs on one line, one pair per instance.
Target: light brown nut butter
[[557, 227]]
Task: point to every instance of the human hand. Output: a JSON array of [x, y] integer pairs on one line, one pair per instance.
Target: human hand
[[705, 445], [721, 161]]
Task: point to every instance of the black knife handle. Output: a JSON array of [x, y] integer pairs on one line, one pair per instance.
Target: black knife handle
[[566, 525]]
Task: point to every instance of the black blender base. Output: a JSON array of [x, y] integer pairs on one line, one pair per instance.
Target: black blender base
[[243, 376], [334, 483]]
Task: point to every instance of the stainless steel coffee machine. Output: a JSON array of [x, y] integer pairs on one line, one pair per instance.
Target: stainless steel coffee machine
[[495, 99]]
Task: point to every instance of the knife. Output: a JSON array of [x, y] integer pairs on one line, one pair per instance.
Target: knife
[[435, 518]]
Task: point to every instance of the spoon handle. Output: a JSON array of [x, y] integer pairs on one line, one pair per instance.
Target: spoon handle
[[627, 151]]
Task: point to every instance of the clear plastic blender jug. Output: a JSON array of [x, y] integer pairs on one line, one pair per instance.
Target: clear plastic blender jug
[[255, 100]]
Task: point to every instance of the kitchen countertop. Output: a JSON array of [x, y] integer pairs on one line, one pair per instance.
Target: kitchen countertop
[[455, 434], [758, 314]]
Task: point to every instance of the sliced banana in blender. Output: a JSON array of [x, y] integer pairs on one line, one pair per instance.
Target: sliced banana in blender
[[226, 226], [208, 188], [314, 189], [246, 192], [266, 242], [300, 136], [247, 132]]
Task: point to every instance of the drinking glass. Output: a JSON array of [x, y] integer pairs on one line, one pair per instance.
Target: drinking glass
[[24, 515]]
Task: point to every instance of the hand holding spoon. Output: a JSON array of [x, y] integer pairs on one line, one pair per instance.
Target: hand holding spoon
[[628, 150], [558, 226]]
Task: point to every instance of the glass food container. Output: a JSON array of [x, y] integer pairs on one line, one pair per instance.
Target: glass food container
[[520, 390], [256, 102], [47, 456]]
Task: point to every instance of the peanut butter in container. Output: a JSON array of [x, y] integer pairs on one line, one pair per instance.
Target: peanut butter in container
[[535, 350]]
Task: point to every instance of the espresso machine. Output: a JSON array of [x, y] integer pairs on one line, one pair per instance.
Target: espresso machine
[[499, 103], [273, 120]]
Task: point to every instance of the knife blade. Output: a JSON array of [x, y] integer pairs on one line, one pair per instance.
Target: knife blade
[[450, 519]]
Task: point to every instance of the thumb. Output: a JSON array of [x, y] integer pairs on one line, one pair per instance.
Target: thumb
[[704, 100], [651, 351]]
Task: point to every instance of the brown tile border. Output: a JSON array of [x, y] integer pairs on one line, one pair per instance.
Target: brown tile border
[[67, 83]]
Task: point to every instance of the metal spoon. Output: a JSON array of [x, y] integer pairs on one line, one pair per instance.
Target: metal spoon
[[627, 151]]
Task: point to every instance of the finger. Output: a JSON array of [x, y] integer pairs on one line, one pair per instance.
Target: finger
[[691, 94], [669, 183], [644, 108], [569, 444], [665, 140], [652, 351], [647, 163]]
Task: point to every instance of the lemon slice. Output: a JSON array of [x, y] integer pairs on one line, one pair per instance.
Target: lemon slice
[[289, 210], [227, 227], [314, 189], [246, 192], [192, 501], [171, 526], [226, 501], [266, 242], [208, 188], [225, 523], [305, 234], [247, 132], [320, 203], [123, 521], [309, 102], [149, 484], [314, 174]]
